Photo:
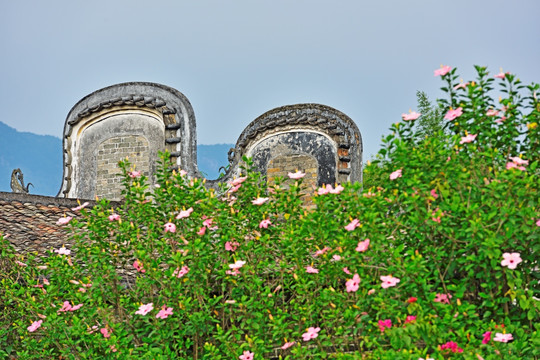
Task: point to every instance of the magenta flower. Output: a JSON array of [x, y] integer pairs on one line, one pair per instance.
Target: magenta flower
[[385, 324], [35, 325], [105, 332], [389, 281], [62, 251], [170, 227], [452, 114], [396, 174], [442, 71], [311, 270], [231, 245], [288, 345], [259, 201], [145, 309], [265, 223], [114, 217], [492, 112], [180, 272], [467, 139], [64, 220], [362, 245], [410, 319], [352, 225], [311, 333], [452, 346], [139, 266], [511, 260], [410, 116], [352, 284], [184, 213], [442, 298], [80, 207], [487, 337], [247, 355], [237, 265], [134, 174], [503, 337], [297, 175], [164, 312]]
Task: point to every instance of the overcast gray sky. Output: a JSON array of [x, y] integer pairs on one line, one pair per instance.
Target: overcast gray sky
[[237, 59]]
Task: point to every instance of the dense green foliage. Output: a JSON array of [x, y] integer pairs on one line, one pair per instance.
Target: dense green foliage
[[438, 260]]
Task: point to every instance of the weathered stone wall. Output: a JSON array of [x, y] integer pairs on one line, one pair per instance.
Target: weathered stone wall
[[109, 153]]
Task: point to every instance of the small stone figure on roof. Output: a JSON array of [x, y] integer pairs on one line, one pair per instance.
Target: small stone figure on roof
[[17, 182]]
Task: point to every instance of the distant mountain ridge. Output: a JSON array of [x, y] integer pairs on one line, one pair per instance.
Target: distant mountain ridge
[[40, 159]]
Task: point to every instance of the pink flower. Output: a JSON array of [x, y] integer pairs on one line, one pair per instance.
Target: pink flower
[[164, 312], [231, 245], [105, 332], [337, 190], [410, 116], [297, 175], [76, 307], [134, 174], [265, 223], [311, 270], [442, 298], [503, 337], [487, 337], [237, 265], [362, 245], [461, 85], [145, 309], [352, 284], [389, 281], [233, 272], [20, 263], [452, 114], [62, 251], [325, 189], [35, 325], [114, 217], [184, 213], [538, 222], [346, 271], [434, 193], [311, 333], [337, 257], [371, 291], [234, 188], [500, 75], [66, 306], [64, 220], [80, 207], [410, 319], [238, 181], [492, 112], [467, 139], [201, 231], [180, 272], [139, 266], [208, 222], [412, 299], [385, 324], [288, 345], [247, 355], [511, 260], [452, 346], [182, 172], [519, 161], [442, 71], [396, 174], [259, 201], [170, 227], [322, 251], [352, 225]]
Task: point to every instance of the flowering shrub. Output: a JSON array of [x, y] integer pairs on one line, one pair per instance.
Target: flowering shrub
[[429, 263]]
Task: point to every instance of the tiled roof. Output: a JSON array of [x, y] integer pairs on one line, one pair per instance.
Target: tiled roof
[[29, 221]]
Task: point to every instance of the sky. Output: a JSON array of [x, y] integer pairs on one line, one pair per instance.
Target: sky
[[236, 59]]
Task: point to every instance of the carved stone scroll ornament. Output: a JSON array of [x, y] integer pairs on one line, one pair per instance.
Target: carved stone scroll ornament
[[17, 182]]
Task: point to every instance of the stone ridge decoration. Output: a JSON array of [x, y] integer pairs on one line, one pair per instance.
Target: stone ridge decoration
[[137, 120]]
